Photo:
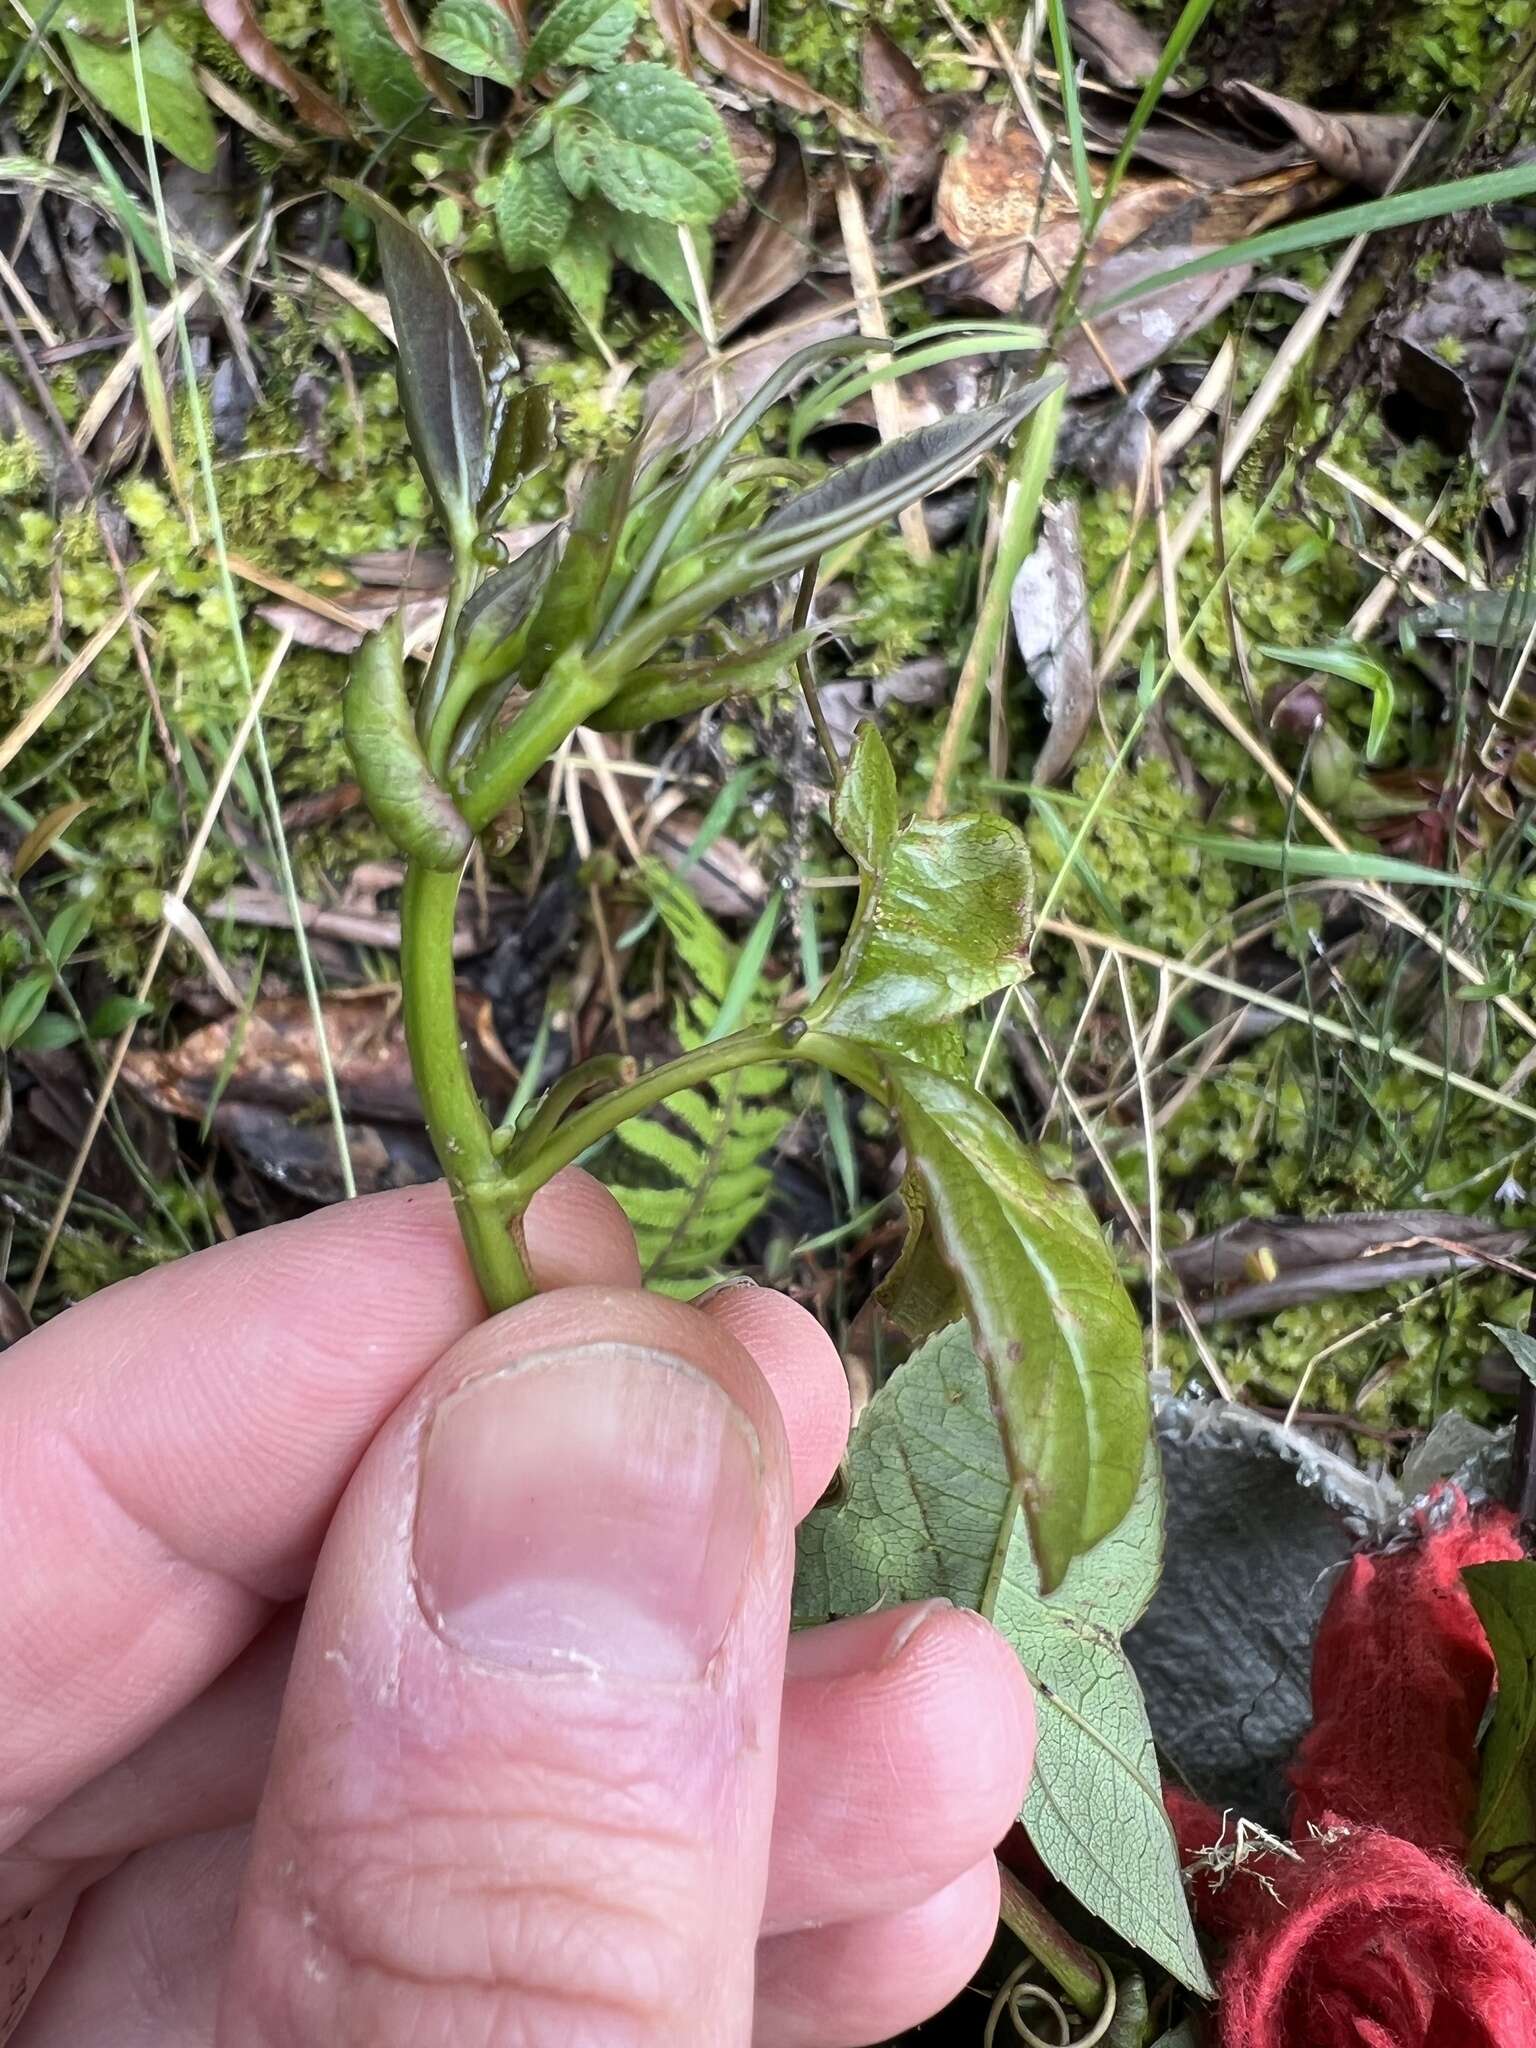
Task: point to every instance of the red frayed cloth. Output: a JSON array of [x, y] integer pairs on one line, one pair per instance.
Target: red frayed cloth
[[1366, 1934]]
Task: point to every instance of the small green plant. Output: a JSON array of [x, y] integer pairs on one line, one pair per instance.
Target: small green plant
[[613, 622], [622, 162]]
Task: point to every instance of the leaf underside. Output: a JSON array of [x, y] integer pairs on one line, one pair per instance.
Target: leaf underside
[[928, 1513]]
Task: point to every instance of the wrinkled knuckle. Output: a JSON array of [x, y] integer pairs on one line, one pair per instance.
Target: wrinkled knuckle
[[554, 1932]]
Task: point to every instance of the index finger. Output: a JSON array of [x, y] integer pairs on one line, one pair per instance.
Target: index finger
[[171, 1453]]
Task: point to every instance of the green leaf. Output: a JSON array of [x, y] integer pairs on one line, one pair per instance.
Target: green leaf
[[454, 355], [1505, 1598], [66, 930], [929, 1513], [942, 922], [179, 116], [591, 33], [475, 37], [50, 1032], [650, 142], [1351, 665], [20, 1005], [374, 63], [114, 1014], [533, 211], [677, 689], [494, 627], [1521, 1346], [583, 268], [654, 248], [1049, 1313], [525, 443], [398, 786]]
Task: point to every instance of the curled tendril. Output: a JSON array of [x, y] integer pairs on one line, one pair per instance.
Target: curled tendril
[[1019, 1991]]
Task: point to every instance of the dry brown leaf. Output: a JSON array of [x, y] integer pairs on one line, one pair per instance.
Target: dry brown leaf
[[755, 71], [755, 153], [237, 23], [397, 18], [916, 122], [1204, 156], [1260, 1266], [1117, 45], [671, 18], [1361, 149], [1050, 623], [277, 1066], [46, 832], [725, 881], [776, 251]]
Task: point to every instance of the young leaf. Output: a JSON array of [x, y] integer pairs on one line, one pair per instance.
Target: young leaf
[[650, 142], [677, 689], [453, 350], [942, 922], [929, 1513], [1505, 1598], [533, 211], [591, 33], [524, 432], [397, 782], [475, 37], [1047, 1308], [861, 494], [179, 116], [384, 78], [114, 1013], [494, 625]]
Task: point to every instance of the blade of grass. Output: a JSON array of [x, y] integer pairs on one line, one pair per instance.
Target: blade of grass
[[1372, 217], [747, 972], [1072, 107]]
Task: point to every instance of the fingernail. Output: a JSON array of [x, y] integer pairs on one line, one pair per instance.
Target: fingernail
[[867, 1642], [734, 1283], [588, 1510]]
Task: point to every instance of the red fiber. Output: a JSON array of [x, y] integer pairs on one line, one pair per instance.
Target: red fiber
[[1366, 1934]]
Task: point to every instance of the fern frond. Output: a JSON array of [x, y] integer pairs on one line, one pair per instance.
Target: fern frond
[[692, 1178]]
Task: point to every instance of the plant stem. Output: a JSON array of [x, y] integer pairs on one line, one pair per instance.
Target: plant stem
[[1075, 1970], [433, 727], [583, 1130], [460, 1129], [1029, 464], [565, 699]]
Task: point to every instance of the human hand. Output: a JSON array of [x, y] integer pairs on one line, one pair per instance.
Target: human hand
[[540, 1766]]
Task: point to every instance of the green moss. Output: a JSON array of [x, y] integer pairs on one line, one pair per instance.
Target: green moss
[[821, 39], [900, 607]]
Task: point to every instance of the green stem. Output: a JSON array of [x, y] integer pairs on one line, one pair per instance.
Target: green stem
[[583, 1130], [460, 1129], [567, 697], [609, 1070], [1075, 1969], [433, 727]]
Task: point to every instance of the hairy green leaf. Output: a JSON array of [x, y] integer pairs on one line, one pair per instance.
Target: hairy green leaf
[[942, 922], [1048, 1310], [650, 142], [929, 1513], [1504, 1595], [591, 33], [454, 353], [533, 211], [374, 63], [397, 783], [179, 116], [475, 37]]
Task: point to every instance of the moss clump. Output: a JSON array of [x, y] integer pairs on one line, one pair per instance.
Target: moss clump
[[821, 39]]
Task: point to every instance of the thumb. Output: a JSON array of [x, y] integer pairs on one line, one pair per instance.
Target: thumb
[[524, 1781]]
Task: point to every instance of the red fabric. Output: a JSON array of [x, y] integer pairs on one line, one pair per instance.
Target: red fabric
[[1368, 1935]]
